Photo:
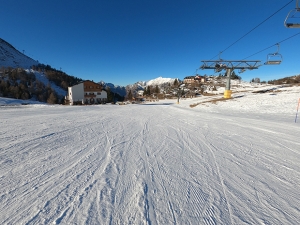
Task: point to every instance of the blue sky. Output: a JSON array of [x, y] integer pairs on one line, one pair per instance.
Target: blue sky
[[125, 41]]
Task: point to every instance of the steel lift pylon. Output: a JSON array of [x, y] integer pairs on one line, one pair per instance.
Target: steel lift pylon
[[229, 66]]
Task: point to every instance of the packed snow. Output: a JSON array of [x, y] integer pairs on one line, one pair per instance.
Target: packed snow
[[218, 162]]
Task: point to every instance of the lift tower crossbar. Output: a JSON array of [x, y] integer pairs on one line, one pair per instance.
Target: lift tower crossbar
[[233, 64], [229, 66]]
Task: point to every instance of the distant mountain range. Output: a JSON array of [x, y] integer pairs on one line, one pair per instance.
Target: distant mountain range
[[140, 85]]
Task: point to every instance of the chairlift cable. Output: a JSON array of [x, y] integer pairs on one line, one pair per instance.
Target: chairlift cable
[[272, 45], [253, 28]]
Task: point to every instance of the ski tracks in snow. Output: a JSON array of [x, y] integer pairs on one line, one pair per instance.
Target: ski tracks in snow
[[253, 174], [144, 164], [178, 160]]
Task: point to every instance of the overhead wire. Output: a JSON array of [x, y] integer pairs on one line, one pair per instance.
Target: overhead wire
[[253, 28], [272, 45]]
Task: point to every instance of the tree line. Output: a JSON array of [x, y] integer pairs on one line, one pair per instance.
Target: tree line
[[21, 84], [17, 83], [58, 77]]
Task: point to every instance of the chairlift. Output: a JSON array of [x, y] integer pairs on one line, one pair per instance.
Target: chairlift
[[242, 70], [274, 58], [219, 67], [293, 18]]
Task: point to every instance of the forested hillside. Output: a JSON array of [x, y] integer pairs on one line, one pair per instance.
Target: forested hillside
[[58, 77], [22, 84], [286, 80]]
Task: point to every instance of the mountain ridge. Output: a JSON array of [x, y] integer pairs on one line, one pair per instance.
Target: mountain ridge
[[11, 57]]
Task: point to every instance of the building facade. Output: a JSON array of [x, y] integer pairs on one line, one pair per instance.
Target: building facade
[[86, 92], [194, 79]]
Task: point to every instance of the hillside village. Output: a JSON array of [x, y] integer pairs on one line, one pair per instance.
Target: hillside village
[[45, 84]]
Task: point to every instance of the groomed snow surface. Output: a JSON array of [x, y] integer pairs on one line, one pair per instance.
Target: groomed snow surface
[[229, 162]]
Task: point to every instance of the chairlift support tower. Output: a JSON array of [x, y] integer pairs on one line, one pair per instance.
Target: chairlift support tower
[[229, 66]]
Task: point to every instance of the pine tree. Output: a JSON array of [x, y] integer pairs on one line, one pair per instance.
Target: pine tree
[[257, 80], [52, 98], [157, 91], [129, 96], [110, 95], [175, 82], [147, 91], [235, 76]]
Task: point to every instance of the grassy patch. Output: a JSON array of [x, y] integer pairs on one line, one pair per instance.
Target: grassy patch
[[213, 101]]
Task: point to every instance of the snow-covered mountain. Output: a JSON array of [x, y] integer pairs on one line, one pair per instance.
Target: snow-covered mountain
[[121, 90], [11, 57], [140, 85], [159, 81]]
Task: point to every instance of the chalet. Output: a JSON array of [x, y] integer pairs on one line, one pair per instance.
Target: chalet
[[193, 79], [199, 78], [140, 92], [86, 92], [189, 80]]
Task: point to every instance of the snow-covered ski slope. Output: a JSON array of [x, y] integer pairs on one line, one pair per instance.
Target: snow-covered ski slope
[[11, 57], [155, 163], [40, 76]]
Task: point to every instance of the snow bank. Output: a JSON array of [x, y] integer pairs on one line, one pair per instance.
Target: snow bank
[[12, 101]]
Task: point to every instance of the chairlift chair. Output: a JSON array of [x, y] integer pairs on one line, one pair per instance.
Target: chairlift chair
[[274, 58], [242, 70], [219, 67], [293, 18]]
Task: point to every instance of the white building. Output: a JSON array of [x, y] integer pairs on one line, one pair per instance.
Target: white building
[[86, 92], [140, 92]]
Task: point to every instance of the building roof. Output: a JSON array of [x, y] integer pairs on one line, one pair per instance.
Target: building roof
[[88, 81], [189, 77]]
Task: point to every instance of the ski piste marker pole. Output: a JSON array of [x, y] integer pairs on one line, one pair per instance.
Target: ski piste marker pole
[[297, 110]]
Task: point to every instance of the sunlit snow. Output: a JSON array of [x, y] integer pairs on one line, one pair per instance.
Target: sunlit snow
[[220, 162]]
